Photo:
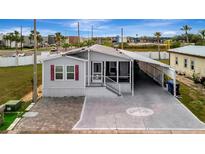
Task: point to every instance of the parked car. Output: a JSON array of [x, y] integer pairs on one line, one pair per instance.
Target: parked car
[[53, 49]]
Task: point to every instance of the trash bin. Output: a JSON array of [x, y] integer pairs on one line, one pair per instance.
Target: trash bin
[[171, 87]]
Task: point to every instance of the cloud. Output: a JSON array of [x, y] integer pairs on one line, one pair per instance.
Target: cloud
[[26, 31], [169, 33], [85, 24]]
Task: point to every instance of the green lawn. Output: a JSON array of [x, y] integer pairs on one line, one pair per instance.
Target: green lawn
[[166, 61], [8, 119], [16, 81], [194, 100]]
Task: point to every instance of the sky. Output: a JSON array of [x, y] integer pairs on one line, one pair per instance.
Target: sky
[[103, 27]]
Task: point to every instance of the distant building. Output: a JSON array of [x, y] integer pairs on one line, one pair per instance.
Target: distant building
[[188, 60], [73, 39], [51, 39], [1, 39], [27, 42]]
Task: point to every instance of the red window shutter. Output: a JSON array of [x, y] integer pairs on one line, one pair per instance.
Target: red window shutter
[[52, 72], [76, 72]]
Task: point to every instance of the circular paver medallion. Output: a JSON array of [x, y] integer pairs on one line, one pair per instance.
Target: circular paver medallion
[[139, 111]]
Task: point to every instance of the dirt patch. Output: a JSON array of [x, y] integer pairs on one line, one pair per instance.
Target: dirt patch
[[28, 96]]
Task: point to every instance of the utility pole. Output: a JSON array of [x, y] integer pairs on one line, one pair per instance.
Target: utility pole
[[35, 95], [78, 34], [92, 32], [21, 38], [121, 38]]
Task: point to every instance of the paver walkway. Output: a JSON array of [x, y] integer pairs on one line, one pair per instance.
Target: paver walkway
[[55, 115]]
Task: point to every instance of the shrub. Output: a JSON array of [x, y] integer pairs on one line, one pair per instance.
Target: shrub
[[203, 83], [202, 80], [196, 78]]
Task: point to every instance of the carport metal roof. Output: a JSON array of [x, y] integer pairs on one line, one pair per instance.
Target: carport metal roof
[[166, 69], [136, 56]]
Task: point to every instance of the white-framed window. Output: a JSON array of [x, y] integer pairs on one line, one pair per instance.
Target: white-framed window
[[70, 72], [185, 62], [59, 72], [176, 60], [192, 65]]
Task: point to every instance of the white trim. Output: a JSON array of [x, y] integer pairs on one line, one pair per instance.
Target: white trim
[[66, 73], [63, 87], [89, 68], [61, 56], [84, 74]]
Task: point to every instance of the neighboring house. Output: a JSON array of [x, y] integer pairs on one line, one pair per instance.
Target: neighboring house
[[51, 39], [188, 60], [70, 73]]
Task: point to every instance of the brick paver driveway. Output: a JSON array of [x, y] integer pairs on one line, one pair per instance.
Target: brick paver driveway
[[164, 111], [55, 115]]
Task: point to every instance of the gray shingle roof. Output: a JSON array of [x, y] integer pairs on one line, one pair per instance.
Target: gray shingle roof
[[108, 50], [190, 50]]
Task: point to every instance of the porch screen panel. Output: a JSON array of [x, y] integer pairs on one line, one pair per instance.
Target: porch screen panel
[[111, 70], [124, 71]]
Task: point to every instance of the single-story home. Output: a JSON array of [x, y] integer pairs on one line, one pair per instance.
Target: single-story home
[[71, 73], [188, 60]]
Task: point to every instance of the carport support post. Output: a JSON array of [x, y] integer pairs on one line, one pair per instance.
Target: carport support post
[[132, 77], [174, 82], [89, 68], [117, 71]]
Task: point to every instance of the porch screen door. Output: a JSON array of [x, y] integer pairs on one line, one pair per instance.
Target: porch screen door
[[97, 72]]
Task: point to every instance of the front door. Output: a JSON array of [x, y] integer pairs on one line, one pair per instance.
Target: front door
[[97, 72]]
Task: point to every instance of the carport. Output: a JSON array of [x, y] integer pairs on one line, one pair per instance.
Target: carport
[[154, 69]]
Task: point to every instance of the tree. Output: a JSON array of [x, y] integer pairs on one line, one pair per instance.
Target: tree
[[38, 35], [16, 39], [11, 38], [202, 33], [66, 46], [58, 39], [186, 28], [158, 35]]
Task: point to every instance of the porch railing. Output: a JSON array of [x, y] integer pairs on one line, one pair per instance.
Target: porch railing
[[112, 85]]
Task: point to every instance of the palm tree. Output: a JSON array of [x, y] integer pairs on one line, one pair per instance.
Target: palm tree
[[58, 39], [38, 35], [202, 33], [10, 38], [17, 38], [66, 46], [186, 28], [158, 35]]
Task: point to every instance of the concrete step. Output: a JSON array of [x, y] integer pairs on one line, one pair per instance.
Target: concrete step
[[99, 92]]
